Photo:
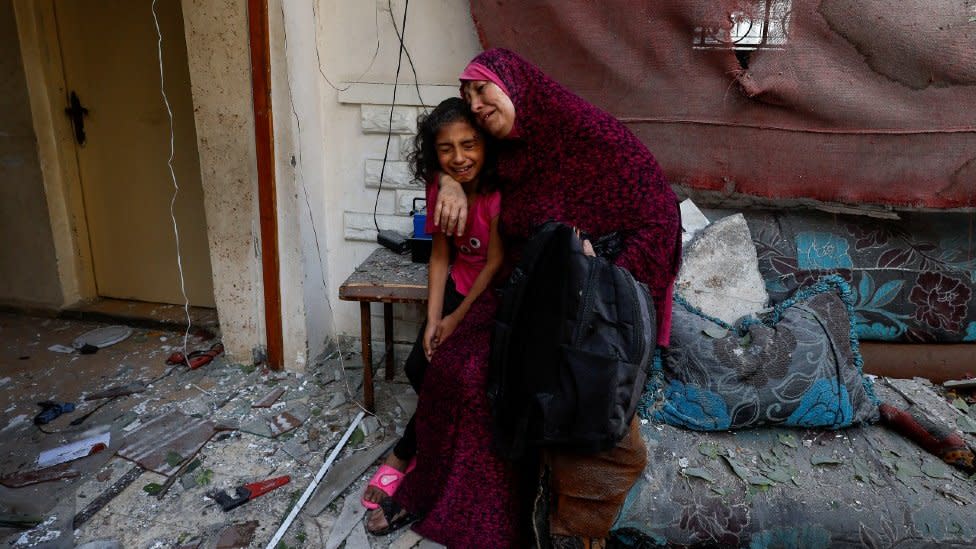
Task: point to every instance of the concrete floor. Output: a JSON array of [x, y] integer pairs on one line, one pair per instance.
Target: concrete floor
[[325, 396]]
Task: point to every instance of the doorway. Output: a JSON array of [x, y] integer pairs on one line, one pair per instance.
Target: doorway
[[121, 128]]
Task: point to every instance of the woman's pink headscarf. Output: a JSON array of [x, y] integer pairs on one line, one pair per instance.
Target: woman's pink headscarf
[[477, 71]]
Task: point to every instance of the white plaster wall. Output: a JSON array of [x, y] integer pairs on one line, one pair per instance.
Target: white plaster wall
[[441, 39]]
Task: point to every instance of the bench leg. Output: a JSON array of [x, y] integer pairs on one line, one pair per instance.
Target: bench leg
[[366, 334], [388, 334]]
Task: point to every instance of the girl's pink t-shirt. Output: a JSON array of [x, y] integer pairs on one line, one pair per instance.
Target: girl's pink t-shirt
[[472, 248]]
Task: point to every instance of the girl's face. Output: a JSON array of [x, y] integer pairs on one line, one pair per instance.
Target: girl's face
[[493, 109], [460, 151]]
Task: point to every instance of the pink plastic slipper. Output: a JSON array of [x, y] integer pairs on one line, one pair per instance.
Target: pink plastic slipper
[[387, 480]]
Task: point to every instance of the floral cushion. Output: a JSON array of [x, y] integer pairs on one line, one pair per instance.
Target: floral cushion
[[799, 368], [914, 278]]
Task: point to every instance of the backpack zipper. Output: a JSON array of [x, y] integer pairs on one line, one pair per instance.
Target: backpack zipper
[[592, 263]]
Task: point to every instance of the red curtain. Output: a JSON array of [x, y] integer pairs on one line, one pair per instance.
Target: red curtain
[[850, 101]]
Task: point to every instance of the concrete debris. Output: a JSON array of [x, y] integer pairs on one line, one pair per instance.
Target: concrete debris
[[100, 544], [236, 536], [357, 539], [692, 220], [408, 539], [270, 398], [720, 271], [57, 472], [351, 515], [343, 473], [173, 433]]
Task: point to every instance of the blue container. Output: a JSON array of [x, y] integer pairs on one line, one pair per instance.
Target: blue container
[[419, 222], [419, 219]]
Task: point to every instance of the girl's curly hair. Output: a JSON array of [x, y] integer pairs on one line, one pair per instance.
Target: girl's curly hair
[[423, 159]]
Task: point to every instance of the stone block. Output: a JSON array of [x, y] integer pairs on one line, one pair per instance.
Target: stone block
[[720, 271], [359, 226], [376, 119], [396, 175]]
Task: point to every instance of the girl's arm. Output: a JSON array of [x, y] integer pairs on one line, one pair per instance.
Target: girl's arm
[[436, 280], [494, 262]]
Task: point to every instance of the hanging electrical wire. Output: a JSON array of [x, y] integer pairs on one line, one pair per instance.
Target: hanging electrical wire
[[389, 134], [172, 173]]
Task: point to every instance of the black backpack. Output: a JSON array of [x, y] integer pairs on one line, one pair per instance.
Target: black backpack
[[571, 350]]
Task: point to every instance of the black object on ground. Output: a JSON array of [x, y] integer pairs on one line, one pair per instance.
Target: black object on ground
[[52, 410]]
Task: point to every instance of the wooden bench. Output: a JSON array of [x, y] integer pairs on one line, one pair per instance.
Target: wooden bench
[[384, 277]]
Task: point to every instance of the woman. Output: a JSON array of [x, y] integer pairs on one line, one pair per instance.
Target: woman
[[463, 492], [562, 158]]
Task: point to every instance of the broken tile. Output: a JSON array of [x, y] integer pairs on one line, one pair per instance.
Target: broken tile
[[172, 432], [692, 220], [357, 539], [342, 474], [369, 425], [269, 398], [408, 402], [118, 390], [298, 451], [407, 539], [234, 536], [259, 427], [429, 544], [282, 423], [352, 514], [56, 472]]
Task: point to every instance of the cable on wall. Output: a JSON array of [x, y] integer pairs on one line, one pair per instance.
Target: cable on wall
[[172, 173], [389, 134]]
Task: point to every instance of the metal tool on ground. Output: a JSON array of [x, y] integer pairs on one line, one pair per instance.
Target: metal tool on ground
[[244, 494]]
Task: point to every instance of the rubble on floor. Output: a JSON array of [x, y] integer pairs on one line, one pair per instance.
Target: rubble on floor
[[171, 437]]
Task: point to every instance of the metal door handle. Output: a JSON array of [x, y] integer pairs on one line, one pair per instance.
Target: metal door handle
[[77, 114]]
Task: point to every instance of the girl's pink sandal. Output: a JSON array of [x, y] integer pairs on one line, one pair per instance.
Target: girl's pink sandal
[[387, 480]]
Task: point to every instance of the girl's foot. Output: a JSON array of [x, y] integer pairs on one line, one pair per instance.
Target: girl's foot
[[388, 517], [373, 494]]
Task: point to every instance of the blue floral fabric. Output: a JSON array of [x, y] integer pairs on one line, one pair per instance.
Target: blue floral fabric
[[799, 368], [914, 279]]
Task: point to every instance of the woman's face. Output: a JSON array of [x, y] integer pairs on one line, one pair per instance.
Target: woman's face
[[460, 151], [493, 109]]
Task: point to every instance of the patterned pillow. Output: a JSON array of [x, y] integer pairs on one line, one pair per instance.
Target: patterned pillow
[[800, 367]]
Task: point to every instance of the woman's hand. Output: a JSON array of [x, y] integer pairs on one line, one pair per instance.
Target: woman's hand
[[430, 339], [446, 327], [587, 246], [451, 211]]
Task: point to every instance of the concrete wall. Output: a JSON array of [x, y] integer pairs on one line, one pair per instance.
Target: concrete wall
[[28, 265], [220, 77]]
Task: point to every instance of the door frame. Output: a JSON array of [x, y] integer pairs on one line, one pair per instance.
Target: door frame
[[44, 71]]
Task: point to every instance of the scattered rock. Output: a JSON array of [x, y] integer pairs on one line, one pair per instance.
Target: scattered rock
[[720, 271]]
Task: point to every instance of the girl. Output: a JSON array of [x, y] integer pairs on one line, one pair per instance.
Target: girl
[[450, 142]]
